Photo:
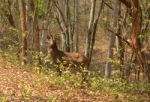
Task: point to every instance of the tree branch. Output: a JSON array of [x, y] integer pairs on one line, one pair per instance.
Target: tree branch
[[116, 34]]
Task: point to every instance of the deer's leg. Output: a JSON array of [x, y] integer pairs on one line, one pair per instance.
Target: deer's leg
[[59, 71], [84, 75]]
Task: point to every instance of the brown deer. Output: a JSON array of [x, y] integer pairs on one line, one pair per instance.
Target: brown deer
[[73, 61]]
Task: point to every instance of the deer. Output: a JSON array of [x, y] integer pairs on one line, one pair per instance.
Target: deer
[[70, 60]]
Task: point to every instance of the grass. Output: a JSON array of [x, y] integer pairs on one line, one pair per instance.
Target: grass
[[47, 85]]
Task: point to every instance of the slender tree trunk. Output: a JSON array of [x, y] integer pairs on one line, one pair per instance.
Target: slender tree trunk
[[95, 29], [92, 29], [44, 33], [37, 43], [69, 26], [120, 44], [31, 13], [43, 37], [22, 10], [70, 30], [35, 29], [108, 66], [91, 21], [76, 37], [9, 15], [121, 51], [66, 17], [62, 21]]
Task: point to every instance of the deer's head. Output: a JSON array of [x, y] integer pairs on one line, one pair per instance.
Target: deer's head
[[51, 42]]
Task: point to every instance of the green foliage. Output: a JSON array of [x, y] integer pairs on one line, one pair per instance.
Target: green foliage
[[131, 91], [114, 62], [26, 93], [53, 99], [3, 99], [41, 7], [25, 90], [118, 88]]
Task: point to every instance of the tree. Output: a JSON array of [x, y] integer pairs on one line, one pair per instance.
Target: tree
[[35, 28], [136, 14], [120, 43], [64, 20], [91, 21], [108, 66], [76, 13], [45, 25], [8, 13], [22, 10], [92, 28]]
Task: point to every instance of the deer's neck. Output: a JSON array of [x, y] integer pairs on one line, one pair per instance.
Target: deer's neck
[[54, 50], [56, 54]]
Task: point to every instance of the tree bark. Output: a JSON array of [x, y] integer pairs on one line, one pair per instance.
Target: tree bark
[[136, 14], [76, 37], [95, 29], [22, 10], [91, 21], [108, 66], [35, 30], [9, 15], [62, 19], [121, 46]]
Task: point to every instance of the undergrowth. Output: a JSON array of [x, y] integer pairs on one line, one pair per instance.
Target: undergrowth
[[118, 88]]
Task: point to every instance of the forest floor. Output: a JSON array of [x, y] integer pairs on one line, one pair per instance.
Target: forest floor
[[19, 85]]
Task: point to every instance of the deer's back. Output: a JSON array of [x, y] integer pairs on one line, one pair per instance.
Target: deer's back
[[77, 57], [73, 57]]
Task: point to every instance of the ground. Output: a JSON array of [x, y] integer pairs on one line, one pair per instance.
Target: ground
[[17, 84], [23, 84]]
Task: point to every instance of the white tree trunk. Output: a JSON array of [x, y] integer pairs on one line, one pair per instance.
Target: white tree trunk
[[91, 21]]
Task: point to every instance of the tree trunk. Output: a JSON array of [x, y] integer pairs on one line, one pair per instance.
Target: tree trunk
[[24, 29], [76, 37], [120, 44], [95, 29], [30, 28], [69, 26], [45, 29], [90, 40], [68, 31], [35, 29], [136, 14], [108, 67], [9, 15], [91, 21], [62, 21]]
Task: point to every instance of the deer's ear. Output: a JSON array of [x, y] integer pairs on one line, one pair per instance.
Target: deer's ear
[[50, 40], [49, 37]]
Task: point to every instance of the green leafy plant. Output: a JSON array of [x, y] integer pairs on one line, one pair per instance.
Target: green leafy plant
[[53, 99], [26, 93], [3, 99]]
